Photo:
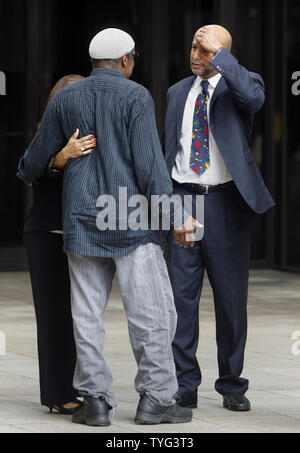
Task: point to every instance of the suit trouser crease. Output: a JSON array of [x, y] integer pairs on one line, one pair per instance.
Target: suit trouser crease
[[224, 252], [149, 305]]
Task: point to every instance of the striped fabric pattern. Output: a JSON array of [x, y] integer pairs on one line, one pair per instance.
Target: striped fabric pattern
[[120, 114]]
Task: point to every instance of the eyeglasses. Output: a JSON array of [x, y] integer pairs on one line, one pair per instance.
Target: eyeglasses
[[135, 55]]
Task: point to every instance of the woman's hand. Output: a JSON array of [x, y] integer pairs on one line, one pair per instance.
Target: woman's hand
[[75, 148], [78, 148]]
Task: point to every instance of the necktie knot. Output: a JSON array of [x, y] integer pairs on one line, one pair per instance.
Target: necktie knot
[[204, 85]]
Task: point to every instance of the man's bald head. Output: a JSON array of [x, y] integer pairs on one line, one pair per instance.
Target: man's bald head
[[222, 34], [206, 42]]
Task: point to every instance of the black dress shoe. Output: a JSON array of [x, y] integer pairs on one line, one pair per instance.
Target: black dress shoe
[[184, 402], [187, 399], [93, 412], [150, 413], [236, 402]]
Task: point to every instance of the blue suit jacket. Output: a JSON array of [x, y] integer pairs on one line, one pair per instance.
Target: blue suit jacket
[[238, 95]]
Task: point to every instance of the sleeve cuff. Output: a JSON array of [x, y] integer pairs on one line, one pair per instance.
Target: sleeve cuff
[[180, 220], [52, 172]]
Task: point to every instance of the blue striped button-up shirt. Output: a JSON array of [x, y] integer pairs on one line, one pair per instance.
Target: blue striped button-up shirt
[[120, 114]]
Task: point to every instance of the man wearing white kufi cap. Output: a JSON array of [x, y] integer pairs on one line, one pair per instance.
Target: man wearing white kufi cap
[[120, 114], [111, 43]]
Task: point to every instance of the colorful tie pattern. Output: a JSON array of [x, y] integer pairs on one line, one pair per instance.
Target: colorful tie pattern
[[200, 161]]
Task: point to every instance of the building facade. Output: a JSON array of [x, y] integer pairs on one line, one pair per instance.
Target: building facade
[[44, 40]]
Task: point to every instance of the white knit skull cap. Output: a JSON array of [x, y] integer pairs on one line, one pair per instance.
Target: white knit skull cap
[[110, 44]]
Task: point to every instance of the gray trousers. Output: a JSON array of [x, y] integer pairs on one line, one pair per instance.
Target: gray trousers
[[149, 305]]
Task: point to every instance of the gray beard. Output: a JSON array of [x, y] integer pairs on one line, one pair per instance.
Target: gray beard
[[207, 71]]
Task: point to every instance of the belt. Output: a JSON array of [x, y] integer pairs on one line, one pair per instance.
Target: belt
[[202, 189]]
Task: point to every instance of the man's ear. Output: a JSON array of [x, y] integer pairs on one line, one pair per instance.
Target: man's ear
[[124, 61]]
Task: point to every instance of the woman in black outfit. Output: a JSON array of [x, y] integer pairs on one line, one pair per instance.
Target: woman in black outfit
[[49, 275]]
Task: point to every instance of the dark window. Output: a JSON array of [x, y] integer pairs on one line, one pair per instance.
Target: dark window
[[292, 161], [12, 112]]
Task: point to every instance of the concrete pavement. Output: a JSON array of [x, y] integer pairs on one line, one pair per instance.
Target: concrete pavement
[[272, 364]]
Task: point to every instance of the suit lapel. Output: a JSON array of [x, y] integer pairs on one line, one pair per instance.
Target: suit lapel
[[220, 88], [180, 104], [182, 97]]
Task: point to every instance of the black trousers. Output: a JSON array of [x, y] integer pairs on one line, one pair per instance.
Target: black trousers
[[50, 282]]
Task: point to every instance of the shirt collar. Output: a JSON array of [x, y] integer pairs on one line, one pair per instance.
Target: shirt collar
[[213, 81], [109, 71]]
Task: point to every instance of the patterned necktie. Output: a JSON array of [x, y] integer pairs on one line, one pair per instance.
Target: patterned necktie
[[200, 161]]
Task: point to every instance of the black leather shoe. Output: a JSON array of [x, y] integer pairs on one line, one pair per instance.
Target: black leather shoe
[[93, 412], [150, 413], [236, 402], [185, 402], [187, 399]]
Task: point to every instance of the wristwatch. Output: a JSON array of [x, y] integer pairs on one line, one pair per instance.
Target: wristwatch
[[52, 172], [215, 53]]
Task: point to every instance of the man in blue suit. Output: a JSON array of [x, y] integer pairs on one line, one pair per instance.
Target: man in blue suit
[[207, 149]]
